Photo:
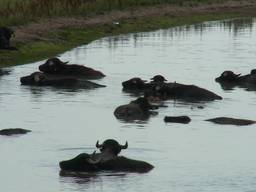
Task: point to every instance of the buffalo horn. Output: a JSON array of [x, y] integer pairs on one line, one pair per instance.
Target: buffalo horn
[[124, 146], [98, 145]]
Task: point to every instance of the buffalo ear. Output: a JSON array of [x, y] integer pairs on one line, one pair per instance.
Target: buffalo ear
[[38, 77]]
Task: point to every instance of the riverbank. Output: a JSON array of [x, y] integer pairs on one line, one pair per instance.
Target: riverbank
[[50, 37]]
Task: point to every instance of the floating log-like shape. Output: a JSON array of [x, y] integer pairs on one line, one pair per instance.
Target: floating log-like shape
[[13, 131], [177, 119], [231, 121]]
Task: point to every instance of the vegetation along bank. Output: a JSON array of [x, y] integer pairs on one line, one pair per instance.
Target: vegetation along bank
[[45, 28]]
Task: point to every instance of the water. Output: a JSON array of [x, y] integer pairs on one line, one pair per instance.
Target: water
[[199, 156]]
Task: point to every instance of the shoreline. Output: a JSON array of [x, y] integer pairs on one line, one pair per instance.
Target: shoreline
[[50, 37]]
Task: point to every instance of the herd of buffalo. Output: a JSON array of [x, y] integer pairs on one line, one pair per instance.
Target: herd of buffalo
[[57, 73]]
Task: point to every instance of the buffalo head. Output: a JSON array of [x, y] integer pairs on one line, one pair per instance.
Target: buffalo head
[[253, 72], [41, 79], [143, 103], [134, 83], [33, 79], [158, 79], [111, 146], [52, 66], [228, 76]]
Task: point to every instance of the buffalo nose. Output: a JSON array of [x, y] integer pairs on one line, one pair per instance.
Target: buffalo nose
[[41, 68]]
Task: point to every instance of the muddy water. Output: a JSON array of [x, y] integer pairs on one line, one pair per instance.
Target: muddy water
[[199, 156]]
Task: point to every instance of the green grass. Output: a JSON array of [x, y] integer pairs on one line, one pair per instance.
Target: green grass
[[13, 12]]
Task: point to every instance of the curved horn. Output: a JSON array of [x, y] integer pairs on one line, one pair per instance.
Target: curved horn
[[98, 145], [124, 146]]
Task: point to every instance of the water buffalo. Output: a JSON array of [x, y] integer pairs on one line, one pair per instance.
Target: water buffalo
[[57, 67], [177, 119], [228, 79], [137, 84], [139, 109], [13, 131], [41, 79], [159, 88], [5, 36], [107, 159], [231, 121], [186, 92]]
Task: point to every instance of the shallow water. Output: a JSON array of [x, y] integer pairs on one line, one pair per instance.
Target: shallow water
[[199, 156]]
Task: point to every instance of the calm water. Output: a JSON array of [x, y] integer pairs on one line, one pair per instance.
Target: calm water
[[196, 157]]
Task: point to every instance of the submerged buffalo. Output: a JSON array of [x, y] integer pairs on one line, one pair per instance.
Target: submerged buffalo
[[57, 67], [107, 159], [41, 79], [138, 109], [135, 84], [13, 131], [177, 119], [159, 88], [186, 92], [228, 79], [231, 121]]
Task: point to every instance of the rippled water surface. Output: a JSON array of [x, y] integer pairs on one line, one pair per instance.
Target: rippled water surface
[[199, 156]]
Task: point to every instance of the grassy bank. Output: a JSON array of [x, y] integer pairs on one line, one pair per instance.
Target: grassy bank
[[61, 39], [13, 12]]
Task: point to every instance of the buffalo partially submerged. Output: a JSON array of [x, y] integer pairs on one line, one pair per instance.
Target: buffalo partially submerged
[[5, 36], [231, 121], [159, 88], [228, 79], [13, 131], [107, 159], [177, 119], [138, 109], [57, 67], [41, 79], [186, 92], [135, 84]]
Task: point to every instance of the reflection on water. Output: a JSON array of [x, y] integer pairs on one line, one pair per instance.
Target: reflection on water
[[235, 27], [198, 156]]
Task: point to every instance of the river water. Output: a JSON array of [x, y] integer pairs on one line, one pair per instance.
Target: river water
[[199, 156]]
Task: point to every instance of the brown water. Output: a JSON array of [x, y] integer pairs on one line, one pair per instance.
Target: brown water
[[199, 156]]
